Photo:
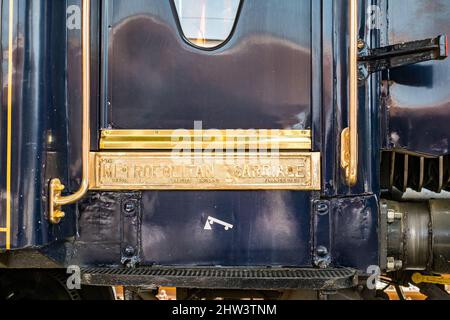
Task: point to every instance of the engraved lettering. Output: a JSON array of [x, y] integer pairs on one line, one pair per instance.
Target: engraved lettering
[[158, 172]]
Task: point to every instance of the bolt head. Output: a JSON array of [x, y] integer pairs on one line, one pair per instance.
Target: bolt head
[[322, 251], [129, 208], [398, 264], [129, 251], [393, 265], [322, 208], [392, 216], [390, 266]]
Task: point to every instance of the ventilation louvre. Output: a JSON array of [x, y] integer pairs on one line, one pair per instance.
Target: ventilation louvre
[[404, 171]]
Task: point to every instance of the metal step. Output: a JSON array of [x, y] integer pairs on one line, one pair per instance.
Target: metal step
[[223, 278]]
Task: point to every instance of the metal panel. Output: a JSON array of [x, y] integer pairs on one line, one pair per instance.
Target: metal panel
[[419, 96], [261, 77], [335, 57], [355, 232], [269, 228], [36, 114]]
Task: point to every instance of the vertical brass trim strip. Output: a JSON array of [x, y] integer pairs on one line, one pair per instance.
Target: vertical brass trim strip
[[9, 134], [349, 138], [56, 187]]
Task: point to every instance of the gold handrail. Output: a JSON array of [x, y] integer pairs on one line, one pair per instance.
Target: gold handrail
[[349, 137], [419, 278], [56, 200]]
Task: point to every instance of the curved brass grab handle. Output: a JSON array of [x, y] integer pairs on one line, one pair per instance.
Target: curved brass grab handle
[[349, 137], [56, 200]]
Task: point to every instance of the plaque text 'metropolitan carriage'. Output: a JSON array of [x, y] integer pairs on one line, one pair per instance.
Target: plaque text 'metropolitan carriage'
[[168, 171]]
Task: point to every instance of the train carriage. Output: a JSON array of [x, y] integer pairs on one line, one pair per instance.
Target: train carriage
[[289, 149]]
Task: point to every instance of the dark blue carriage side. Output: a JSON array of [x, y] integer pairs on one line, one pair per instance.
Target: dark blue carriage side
[[34, 120], [269, 74], [55, 105], [274, 228]]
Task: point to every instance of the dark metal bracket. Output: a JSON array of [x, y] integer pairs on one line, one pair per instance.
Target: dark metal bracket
[[399, 55], [321, 234]]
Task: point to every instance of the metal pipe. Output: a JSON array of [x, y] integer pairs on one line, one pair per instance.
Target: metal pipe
[[418, 235], [56, 187]]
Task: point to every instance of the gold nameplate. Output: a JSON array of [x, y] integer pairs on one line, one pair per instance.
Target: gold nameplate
[[204, 171]]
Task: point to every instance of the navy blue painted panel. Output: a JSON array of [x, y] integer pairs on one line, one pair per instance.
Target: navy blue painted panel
[[38, 119], [2, 239], [336, 105], [355, 232], [74, 87], [419, 104], [269, 228], [261, 78]]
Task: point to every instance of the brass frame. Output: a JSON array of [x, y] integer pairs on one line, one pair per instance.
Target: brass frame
[[204, 139], [56, 199], [349, 136]]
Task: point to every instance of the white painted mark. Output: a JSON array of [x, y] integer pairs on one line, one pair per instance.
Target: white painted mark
[[210, 221]]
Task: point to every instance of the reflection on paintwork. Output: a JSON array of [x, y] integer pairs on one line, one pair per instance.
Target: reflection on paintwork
[[419, 103], [261, 78], [269, 228]]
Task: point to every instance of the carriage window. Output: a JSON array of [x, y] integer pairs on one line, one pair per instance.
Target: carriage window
[[207, 23]]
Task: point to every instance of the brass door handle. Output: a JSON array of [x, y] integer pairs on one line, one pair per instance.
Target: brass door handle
[[349, 136], [56, 199]]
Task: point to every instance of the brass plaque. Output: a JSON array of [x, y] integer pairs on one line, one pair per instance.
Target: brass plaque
[[204, 171], [205, 139]]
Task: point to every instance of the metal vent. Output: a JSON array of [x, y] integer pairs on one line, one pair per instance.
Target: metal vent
[[404, 171]]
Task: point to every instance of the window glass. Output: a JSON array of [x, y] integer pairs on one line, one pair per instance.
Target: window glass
[[207, 23]]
